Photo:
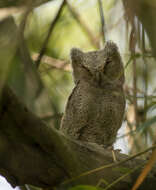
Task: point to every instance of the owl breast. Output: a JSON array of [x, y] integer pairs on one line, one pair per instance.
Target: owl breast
[[94, 114]]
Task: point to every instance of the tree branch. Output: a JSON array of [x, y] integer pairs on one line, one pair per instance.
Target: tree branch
[[33, 153], [19, 3]]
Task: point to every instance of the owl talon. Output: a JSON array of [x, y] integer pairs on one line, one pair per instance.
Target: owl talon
[[113, 152]]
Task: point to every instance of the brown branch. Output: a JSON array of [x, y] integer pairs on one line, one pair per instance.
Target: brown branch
[[5, 12], [135, 90], [132, 46], [19, 3], [53, 63], [145, 72], [146, 170]]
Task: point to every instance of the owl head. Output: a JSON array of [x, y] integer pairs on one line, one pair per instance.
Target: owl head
[[102, 66]]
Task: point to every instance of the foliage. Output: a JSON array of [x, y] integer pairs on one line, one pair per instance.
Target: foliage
[[85, 187], [79, 25]]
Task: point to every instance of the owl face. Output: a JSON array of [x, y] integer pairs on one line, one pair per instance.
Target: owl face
[[105, 64], [113, 69]]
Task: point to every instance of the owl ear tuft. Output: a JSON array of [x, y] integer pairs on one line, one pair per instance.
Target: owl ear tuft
[[110, 48], [76, 54]]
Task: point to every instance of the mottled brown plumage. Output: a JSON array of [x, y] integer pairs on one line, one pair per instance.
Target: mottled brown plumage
[[95, 108]]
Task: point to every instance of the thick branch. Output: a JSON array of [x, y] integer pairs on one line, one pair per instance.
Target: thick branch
[[33, 153], [18, 3]]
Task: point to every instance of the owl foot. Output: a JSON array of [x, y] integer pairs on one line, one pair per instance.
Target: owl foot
[[113, 152]]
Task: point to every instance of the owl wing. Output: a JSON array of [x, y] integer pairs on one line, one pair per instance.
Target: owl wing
[[76, 114]]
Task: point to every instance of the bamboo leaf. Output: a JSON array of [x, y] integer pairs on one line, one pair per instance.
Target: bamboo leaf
[[146, 124], [85, 187], [145, 171]]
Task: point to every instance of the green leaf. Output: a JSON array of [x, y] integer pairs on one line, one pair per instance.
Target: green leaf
[[137, 55], [146, 124], [85, 187]]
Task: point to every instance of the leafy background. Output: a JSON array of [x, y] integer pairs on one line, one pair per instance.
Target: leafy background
[[79, 24]]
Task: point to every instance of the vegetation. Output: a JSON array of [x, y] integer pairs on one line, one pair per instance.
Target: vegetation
[[35, 41]]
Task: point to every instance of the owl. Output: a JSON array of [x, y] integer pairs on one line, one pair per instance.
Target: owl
[[95, 108]]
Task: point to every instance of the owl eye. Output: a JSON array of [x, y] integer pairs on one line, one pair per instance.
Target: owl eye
[[86, 69], [108, 60]]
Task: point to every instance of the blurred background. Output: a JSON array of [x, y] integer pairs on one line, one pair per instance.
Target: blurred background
[[50, 31]]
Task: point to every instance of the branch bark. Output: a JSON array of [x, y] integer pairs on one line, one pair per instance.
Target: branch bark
[[33, 153], [19, 3]]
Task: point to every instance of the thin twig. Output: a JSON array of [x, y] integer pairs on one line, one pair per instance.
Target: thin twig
[[135, 91], [132, 135], [138, 33], [53, 63], [102, 181], [138, 90], [132, 49], [143, 97], [109, 165], [120, 178], [22, 188], [28, 187], [145, 74], [44, 46], [52, 116], [103, 27], [9, 11]]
